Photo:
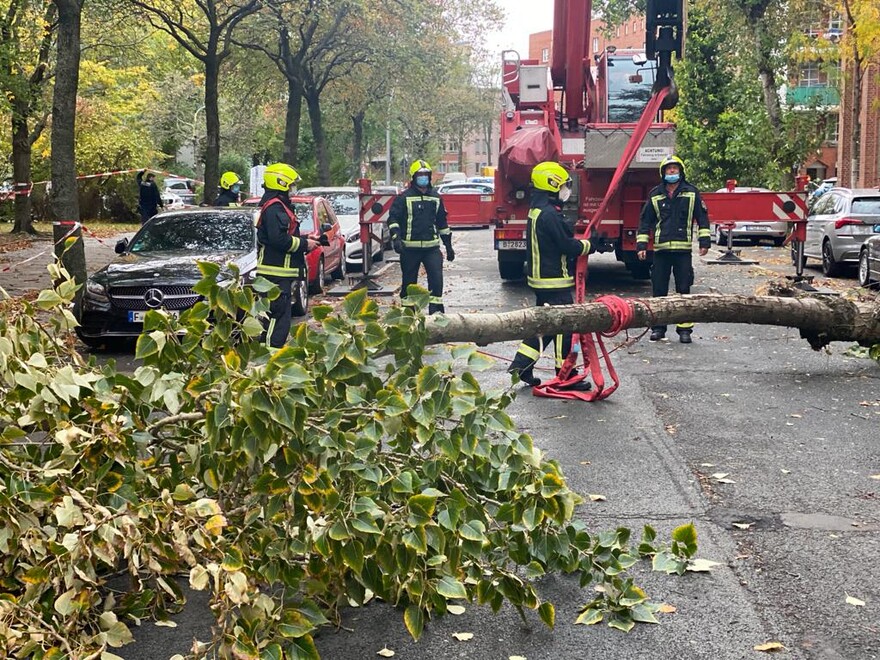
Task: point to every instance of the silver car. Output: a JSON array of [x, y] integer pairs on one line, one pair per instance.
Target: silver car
[[838, 224], [869, 260]]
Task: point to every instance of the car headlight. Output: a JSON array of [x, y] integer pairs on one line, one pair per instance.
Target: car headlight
[[354, 238], [96, 289]]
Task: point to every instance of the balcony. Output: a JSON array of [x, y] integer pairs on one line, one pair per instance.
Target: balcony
[[818, 95]]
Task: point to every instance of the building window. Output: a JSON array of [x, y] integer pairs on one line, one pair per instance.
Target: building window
[[595, 44], [618, 30], [626, 29], [545, 54], [832, 128], [635, 26], [812, 76], [835, 23]]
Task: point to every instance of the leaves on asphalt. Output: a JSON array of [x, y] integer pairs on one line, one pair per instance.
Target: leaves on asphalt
[[854, 601], [385, 652], [742, 525], [702, 565], [666, 608], [463, 636], [596, 498], [770, 647], [457, 610]]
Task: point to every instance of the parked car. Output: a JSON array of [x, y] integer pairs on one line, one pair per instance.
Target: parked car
[[482, 179], [185, 189], [466, 188], [346, 203], [454, 177], [316, 217], [869, 260], [157, 269], [838, 225], [752, 231]]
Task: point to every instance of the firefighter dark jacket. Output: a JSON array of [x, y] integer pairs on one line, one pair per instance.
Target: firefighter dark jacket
[[671, 219], [551, 245], [281, 250], [419, 219], [226, 198]]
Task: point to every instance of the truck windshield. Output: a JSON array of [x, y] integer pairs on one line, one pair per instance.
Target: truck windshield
[[627, 100]]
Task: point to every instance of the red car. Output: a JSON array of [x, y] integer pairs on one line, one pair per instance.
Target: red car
[[316, 217]]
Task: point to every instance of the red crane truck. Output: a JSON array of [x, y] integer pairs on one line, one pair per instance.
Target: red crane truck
[[582, 114]]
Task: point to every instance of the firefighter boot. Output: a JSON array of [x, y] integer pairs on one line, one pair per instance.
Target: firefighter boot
[[526, 376], [684, 336], [657, 334]]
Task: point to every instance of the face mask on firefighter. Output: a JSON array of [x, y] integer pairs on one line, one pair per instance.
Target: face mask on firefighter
[[236, 188], [564, 193], [671, 178], [423, 180]]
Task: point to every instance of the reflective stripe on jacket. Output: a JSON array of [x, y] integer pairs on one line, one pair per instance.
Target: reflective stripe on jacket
[[419, 219], [281, 250], [671, 219], [550, 246]]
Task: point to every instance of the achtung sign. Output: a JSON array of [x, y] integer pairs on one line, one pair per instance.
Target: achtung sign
[[652, 154]]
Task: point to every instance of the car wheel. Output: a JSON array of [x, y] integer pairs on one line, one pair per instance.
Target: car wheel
[[864, 268], [829, 266], [317, 287], [300, 302], [339, 273]]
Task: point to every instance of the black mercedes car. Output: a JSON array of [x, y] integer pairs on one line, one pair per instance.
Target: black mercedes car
[[157, 269]]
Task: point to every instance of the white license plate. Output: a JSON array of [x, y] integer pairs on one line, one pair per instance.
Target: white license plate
[[757, 228], [861, 229], [511, 245], [138, 317]]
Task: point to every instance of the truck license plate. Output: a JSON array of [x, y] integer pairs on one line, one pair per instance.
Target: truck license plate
[[138, 317], [511, 245]]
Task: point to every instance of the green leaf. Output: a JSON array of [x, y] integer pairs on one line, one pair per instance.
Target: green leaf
[[644, 613], [473, 531], [548, 614], [621, 623], [589, 617], [232, 560], [414, 620], [353, 555], [421, 509], [303, 648], [416, 539], [687, 535], [294, 624], [449, 587]]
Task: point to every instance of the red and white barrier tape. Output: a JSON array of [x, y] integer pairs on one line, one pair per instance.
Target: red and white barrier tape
[[26, 189], [73, 227]]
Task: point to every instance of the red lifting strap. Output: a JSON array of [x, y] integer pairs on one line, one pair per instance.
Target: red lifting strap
[[621, 311]]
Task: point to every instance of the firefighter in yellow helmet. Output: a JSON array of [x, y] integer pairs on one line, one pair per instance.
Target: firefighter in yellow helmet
[[417, 221], [672, 208], [230, 186], [281, 251], [551, 249]]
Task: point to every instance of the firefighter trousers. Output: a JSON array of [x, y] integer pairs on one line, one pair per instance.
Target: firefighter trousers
[[530, 349], [411, 260], [277, 326], [677, 264]]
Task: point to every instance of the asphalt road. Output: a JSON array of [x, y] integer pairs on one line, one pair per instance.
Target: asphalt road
[[796, 530]]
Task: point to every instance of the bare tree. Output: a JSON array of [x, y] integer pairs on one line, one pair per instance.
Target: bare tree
[[206, 34]]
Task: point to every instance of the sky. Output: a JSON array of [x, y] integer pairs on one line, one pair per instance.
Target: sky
[[522, 18]]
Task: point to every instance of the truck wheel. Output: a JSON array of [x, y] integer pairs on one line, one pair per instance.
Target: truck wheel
[[511, 270]]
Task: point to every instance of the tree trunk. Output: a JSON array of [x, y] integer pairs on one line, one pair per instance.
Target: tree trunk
[[820, 319], [313, 101], [21, 168], [357, 155], [65, 204], [212, 126], [290, 152]]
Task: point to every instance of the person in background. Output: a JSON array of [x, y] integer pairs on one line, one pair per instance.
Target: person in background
[[672, 208], [149, 198], [281, 251], [230, 187], [417, 221]]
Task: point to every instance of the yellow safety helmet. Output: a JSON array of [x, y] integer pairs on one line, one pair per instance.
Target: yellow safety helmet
[[279, 176], [228, 180], [550, 176], [669, 160], [419, 166]]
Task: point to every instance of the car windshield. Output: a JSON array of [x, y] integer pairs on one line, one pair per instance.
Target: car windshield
[[343, 203], [196, 232], [866, 206], [305, 217]]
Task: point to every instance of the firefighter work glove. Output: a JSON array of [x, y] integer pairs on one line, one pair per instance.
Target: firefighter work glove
[[397, 244], [450, 253]]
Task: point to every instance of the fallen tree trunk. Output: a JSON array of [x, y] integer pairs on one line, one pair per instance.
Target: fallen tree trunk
[[820, 319]]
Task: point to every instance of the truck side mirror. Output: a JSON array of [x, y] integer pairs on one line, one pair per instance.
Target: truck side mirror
[[121, 245], [376, 208], [788, 206]]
